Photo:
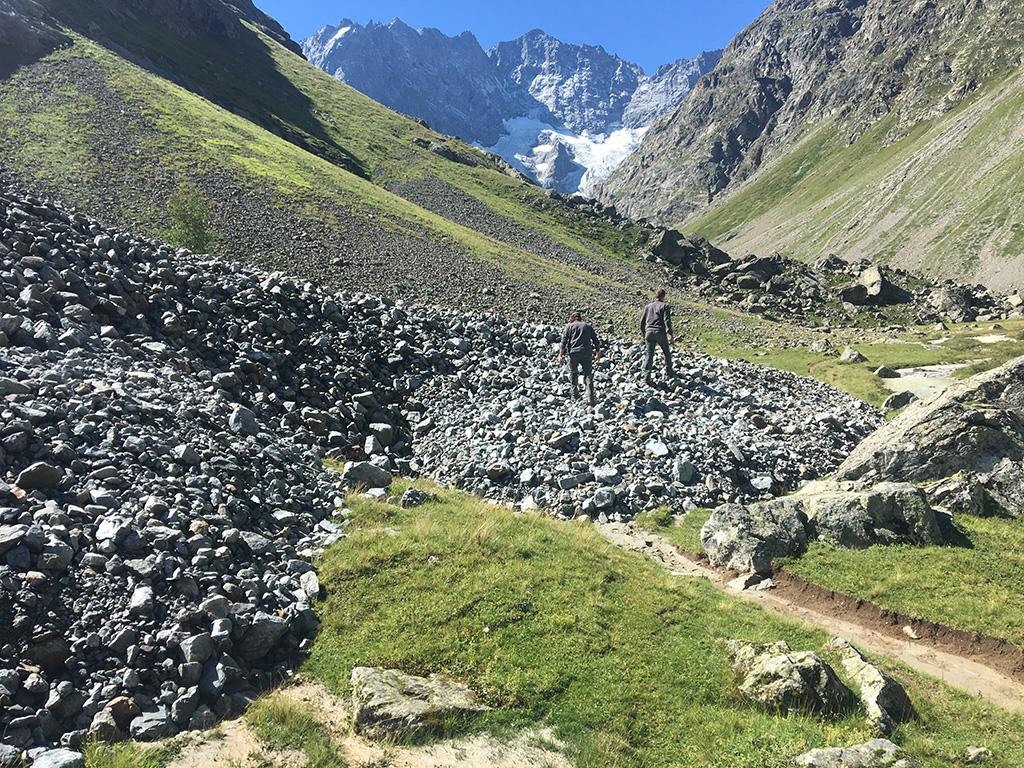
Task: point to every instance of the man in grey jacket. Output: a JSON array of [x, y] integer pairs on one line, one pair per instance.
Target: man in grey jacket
[[580, 343], [656, 328]]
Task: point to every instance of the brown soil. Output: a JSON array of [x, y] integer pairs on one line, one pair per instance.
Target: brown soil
[[983, 666]]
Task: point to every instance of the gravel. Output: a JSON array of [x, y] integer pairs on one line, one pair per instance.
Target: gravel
[[505, 427]]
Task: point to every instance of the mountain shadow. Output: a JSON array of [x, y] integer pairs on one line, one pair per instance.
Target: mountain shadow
[[216, 49]]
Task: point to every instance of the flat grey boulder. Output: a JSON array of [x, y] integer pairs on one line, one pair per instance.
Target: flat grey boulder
[[59, 758], [778, 679], [748, 538], [366, 475], [389, 704], [151, 726], [974, 427], [885, 701], [877, 753]]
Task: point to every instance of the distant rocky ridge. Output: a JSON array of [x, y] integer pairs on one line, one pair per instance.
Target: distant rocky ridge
[[852, 61], [565, 114], [809, 79]]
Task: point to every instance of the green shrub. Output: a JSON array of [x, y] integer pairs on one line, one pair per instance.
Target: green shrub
[[190, 214]]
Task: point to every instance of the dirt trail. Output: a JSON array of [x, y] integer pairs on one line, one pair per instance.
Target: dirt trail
[[922, 654], [233, 745]]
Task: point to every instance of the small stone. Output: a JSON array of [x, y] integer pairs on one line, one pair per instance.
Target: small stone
[[977, 755], [242, 421], [40, 476], [657, 449], [141, 602], [197, 648], [104, 727]]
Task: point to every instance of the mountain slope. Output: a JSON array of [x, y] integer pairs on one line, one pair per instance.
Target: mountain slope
[[564, 114], [812, 84], [347, 187]]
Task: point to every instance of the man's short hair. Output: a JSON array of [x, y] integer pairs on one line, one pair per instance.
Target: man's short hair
[[660, 294], [576, 316]]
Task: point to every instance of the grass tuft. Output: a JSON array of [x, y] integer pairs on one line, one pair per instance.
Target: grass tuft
[[128, 755], [283, 725]]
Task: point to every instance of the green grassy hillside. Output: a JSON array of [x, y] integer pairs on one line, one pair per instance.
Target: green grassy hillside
[[553, 625], [945, 197], [298, 171]]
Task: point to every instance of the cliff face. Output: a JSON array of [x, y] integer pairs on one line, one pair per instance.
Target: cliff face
[[851, 63], [447, 81], [564, 114]]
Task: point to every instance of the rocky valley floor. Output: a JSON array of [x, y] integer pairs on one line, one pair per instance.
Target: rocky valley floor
[[170, 518]]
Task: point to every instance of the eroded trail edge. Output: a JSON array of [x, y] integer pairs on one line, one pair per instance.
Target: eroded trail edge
[[943, 655]]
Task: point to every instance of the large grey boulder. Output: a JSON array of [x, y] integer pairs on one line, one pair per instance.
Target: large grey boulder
[[776, 678], [872, 286], [887, 513], [885, 701], [388, 704], [877, 753], [366, 475], [749, 538], [974, 427]]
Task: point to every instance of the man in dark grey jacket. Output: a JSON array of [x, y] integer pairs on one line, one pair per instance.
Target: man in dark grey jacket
[[656, 328], [580, 343]]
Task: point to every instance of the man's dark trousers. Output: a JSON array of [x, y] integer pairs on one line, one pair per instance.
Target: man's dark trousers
[[582, 361], [654, 340]]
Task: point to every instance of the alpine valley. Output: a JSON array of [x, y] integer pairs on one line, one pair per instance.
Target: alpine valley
[[293, 471]]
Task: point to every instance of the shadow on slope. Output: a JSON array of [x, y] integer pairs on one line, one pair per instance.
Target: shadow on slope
[[214, 49]]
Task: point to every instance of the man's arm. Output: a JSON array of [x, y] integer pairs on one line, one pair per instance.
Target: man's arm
[[565, 343], [668, 323], [643, 321], [596, 342]]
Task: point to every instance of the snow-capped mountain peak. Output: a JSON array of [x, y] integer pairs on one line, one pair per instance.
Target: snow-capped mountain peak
[[565, 114]]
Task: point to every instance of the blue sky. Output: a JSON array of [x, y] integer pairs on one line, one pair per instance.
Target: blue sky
[[648, 32]]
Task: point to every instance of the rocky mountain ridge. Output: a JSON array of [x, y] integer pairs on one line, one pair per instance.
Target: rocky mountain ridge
[[553, 109], [805, 81]]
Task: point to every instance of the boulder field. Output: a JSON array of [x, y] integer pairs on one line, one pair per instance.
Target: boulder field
[[164, 422]]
